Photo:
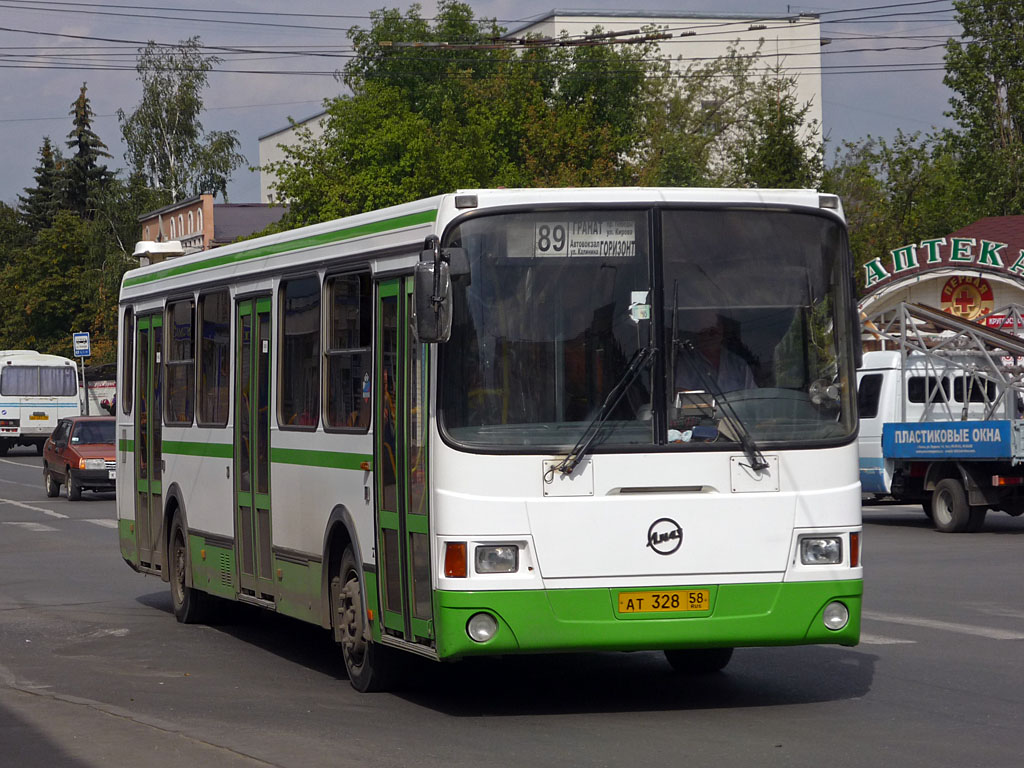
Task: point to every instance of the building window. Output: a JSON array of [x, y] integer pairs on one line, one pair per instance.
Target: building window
[[191, 223], [199, 220], [181, 224], [181, 363], [349, 359], [214, 358], [299, 404], [172, 227], [145, 233]]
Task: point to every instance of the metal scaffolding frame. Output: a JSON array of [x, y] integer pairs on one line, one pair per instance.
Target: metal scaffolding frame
[[941, 343]]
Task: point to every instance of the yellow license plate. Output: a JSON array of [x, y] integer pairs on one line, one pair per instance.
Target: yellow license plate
[[38, 417], [665, 601]]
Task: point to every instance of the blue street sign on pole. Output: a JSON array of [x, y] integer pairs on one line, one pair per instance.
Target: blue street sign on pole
[[81, 344]]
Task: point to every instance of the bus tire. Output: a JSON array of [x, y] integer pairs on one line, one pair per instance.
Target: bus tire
[[370, 666], [699, 661], [926, 505], [51, 485], [74, 489], [950, 511], [189, 604]]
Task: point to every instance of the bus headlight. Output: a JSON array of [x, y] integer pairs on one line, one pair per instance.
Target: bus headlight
[[502, 558], [836, 615], [821, 550], [92, 464], [481, 627]]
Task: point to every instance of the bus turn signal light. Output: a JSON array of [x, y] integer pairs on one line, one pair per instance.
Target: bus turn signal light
[[854, 549], [455, 560]]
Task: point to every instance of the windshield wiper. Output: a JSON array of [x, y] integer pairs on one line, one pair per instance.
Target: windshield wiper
[[641, 359], [750, 449]]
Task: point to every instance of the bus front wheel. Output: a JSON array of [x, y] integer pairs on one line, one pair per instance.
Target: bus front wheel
[[189, 604], [699, 661], [370, 666]]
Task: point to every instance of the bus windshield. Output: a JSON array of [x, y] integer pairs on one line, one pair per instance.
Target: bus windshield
[[746, 312]]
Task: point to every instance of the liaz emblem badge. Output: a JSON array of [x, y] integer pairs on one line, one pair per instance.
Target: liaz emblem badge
[[665, 536]]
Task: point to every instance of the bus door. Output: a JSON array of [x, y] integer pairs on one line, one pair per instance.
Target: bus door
[[400, 463], [148, 455], [252, 448]]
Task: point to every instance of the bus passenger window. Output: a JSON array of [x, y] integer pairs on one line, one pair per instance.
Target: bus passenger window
[[181, 364], [299, 399], [349, 360], [214, 358]]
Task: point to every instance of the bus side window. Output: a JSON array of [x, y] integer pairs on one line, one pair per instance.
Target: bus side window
[[214, 358], [349, 358], [181, 363], [299, 364], [127, 363]]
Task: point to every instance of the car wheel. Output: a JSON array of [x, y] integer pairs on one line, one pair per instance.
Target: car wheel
[[52, 486], [74, 489]]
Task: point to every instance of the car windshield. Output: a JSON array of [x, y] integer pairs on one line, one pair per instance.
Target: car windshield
[[556, 304], [93, 432]]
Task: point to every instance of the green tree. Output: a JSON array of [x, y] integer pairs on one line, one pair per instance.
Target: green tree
[[164, 137], [898, 192], [985, 70], [84, 176], [779, 147], [428, 118], [40, 203]]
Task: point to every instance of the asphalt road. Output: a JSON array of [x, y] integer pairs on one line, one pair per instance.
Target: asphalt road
[[95, 671]]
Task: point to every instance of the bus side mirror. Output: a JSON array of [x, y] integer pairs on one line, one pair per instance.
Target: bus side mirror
[[432, 301]]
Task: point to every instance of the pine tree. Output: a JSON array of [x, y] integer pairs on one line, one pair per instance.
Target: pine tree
[[85, 176], [40, 203]]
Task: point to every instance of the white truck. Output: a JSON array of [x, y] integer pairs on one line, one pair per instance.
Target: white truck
[[940, 417]]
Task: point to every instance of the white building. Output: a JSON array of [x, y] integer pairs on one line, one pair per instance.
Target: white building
[[792, 42], [271, 152]]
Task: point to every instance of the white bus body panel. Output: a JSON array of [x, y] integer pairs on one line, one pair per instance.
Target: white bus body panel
[[601, 540]]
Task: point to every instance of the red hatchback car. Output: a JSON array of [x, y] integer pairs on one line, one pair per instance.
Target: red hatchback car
[[81, 455]]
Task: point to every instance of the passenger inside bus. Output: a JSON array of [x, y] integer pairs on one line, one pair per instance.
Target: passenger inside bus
[[712, 354]]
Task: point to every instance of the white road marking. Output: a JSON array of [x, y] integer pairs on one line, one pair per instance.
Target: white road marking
[[105, 522], [36, 527], [866, 639], [23, 505], [946, 626]]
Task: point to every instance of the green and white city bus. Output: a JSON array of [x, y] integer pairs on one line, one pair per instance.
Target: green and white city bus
[[507, 421]]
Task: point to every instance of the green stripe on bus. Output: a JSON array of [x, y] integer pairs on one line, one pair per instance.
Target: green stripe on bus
[[210, 450], [373, 228], [330, 459], [126, 445]]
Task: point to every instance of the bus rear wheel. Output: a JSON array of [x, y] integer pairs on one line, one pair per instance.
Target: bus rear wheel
[[370, 666], [699, 661]]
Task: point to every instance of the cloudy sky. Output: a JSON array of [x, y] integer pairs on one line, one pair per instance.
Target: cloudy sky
[[882, 70]]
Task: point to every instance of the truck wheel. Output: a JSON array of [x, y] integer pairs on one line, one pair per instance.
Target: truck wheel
[[950, 511], [926, 505], [977, 521]]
